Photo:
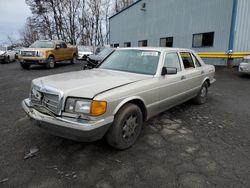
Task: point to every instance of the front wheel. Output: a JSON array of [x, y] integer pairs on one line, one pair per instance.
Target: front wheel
[[51, 63], [201, 98], [126, 127], [73, 60], [7, 59], [25, 65]]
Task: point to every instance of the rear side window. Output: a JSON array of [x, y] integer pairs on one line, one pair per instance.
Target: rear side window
[[196, 61], [172, 60], [187, 60]]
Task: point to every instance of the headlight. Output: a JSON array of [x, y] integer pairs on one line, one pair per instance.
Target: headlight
[[83, 106], [3, 54]]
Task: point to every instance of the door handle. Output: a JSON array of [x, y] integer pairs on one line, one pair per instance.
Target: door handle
[[183, 77], [202, 72]]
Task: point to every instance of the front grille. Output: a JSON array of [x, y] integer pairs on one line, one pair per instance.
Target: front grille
[[47, 100], [28, 53]]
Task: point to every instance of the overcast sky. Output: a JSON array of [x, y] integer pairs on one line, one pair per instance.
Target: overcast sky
[[13, 14]]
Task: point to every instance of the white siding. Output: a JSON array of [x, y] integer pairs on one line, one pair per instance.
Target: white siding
[[242, 38], [178, 18]]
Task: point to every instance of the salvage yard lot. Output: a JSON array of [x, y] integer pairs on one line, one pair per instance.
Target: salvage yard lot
[[187, 146]]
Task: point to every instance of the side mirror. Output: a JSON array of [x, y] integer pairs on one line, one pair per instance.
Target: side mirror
[[168, 71], [58, 46]]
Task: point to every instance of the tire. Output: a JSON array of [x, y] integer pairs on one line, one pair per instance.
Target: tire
[[73, 60], [25, 65], [7, 59], [126, 127], [51, 62], [201, 98]]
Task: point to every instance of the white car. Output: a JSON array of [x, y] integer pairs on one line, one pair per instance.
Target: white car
[[244, 66], [84, 52], [7, 55]]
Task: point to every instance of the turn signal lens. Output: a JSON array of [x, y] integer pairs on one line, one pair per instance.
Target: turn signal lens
[[98, 108]]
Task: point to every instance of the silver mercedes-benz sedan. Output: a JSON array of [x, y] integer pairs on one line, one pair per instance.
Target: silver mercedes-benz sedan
[[113, 100]]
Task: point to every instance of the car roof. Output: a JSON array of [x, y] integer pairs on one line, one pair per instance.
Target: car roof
[[161, 49], [56, 41]]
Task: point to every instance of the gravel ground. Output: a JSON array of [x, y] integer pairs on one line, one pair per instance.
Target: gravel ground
[[187, 146]]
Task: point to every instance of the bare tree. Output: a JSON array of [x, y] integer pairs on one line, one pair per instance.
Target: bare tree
[[29, 33], [74, 21]]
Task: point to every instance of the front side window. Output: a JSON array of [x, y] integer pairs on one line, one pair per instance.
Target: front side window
[[63, 45], [134, 61], [203, 40], [172, 61], [187, 60]]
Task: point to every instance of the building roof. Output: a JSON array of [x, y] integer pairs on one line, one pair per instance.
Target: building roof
[[125, 9]]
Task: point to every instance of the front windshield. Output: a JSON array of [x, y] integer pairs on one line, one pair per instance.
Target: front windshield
[[43, 44], [85, 48], [105, 52], [135, 61], [2, 48]]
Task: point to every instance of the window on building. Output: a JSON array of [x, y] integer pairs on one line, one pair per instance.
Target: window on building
[[166, 42], [187, 60], [142, 43], [172, 60], [116, 45], [127, 44], [111, 45], [203, 40]]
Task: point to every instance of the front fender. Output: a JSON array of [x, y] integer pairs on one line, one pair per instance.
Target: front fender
[[124, 101]]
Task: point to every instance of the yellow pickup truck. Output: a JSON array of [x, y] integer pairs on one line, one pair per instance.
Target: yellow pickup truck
[[47, 52]]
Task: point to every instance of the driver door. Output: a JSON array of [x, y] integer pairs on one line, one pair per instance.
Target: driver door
[[171, 86]]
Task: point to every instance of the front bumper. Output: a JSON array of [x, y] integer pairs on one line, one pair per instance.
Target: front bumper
[[82, 57], [80, 130], [36, 60]]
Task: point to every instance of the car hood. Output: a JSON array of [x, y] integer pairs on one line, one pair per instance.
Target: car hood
[[36, 49], [88, 83], [96, 57], [81, 52], [2, 52]]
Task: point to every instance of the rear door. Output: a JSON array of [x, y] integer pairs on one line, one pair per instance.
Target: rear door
[[192, 75]]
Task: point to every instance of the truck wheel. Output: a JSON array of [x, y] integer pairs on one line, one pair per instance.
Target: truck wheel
[[73, 60], [25, 65], [7, 59], [201, 98], [126, 127], [51, 63]]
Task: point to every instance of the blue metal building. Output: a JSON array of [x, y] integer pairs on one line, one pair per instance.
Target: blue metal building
[[203, 25]]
